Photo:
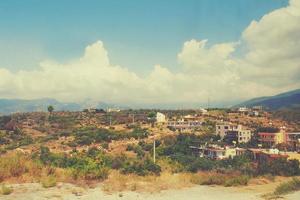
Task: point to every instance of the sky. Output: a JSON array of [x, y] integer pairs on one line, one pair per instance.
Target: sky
[[149, 51]]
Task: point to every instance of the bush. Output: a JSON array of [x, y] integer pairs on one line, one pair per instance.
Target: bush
[[290, 186], [236, 181], [201, 164], [12, 166], [48, 181], [280, 166], [217, 179], [6, 190]]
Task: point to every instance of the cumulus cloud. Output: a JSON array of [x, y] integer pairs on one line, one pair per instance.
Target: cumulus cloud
[[270, 64]]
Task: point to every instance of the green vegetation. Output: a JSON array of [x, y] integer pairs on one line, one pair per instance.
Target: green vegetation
[[50, 109], [14, 139], [280, 166], [236, 181], [95, 164], [288, 187], [87, 136]]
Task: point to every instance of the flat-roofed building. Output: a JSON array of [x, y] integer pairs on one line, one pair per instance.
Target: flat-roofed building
[[293, 140], [184, 125], [271, 139]]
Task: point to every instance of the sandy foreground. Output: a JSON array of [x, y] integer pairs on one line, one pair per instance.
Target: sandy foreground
[[34, 191]]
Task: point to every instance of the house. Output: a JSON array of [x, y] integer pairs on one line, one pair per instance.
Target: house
[[160, 118], [113, 110], [224, 128], [243, 109], [271, 139], [203, 111], [182, 125], [232, 132], [218, 153], [244, 136], [293, 141], [266, 155]]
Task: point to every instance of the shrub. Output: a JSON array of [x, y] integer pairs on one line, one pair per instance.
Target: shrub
[[217, 179], [236, 181], [6, 190], [290, 186], [48, 181], [201, 164], [12, 166]]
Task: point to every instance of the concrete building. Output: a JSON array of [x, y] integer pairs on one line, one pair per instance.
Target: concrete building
[[184, 125], [271, 139], [244, 136], [233, 133], [218, 153], [293, 141], [160, 118], [224, 128], [243, 109]]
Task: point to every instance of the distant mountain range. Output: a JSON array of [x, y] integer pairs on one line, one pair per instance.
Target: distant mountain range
[[8, 106], [287, 100]]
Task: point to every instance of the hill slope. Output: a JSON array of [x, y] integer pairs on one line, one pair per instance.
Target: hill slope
[[21, 105], [287, 100]]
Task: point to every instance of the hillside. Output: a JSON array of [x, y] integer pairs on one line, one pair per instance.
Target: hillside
[[287, 100]]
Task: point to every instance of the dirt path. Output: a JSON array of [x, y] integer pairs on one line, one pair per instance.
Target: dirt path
[[34, 191]]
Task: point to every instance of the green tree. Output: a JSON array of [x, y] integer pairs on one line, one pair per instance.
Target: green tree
[[50, 109]]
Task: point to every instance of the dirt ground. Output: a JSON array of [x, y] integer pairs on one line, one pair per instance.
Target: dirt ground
[[63, 191]]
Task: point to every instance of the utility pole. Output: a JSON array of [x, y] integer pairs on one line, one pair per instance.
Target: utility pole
[[109, 120], [208, 103], [154, 151], [133, 118]]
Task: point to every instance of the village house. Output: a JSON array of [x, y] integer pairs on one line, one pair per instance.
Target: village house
[[160, 118], [266, 155], [293, 140], [182, 125], [233, 132], [271, 139], [217, 152]]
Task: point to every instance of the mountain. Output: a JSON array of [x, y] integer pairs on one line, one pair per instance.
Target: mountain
[[287, 100], [8, 106]]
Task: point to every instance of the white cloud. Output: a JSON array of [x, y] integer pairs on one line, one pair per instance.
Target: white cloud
[[271, 64]]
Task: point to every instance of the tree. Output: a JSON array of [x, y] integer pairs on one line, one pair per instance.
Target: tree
[[50, 108]]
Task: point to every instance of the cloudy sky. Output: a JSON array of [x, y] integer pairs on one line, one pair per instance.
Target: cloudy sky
[[149, 52]]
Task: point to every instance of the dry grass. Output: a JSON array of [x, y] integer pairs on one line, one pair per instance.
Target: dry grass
[[117, 182], [6, 190], [19, 166], [214, 178], [48, 181]]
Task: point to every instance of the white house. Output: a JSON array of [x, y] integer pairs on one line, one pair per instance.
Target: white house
[[160, 117]]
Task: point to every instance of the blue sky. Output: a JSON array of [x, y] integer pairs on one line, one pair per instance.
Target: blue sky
[[149, 52], [137, 33]]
